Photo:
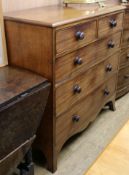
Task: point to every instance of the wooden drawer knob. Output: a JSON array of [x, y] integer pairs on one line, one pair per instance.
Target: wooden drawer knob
[[76, 118], [78, 61], [77, 89], [109, 68], [111, 44], [126, 76], [80, 35], [128, 56], [113, 23], [106, 92]]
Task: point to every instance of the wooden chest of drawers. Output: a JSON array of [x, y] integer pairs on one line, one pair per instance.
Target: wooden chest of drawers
[[78, 52], [123, 78]]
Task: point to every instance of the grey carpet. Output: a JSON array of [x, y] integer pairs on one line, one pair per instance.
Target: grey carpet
[[81, 152]]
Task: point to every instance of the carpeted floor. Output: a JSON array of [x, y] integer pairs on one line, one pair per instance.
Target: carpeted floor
[[81, 151]]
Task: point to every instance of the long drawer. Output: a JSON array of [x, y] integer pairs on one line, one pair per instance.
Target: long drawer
[[123, 78], [124, 58], [110, 24], [75, 89], [73, 37], [84, 58], [79, 116]]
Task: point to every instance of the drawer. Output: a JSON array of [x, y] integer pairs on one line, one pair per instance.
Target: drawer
[[122, 91], [82, 59], [126, 20], [123, 78], [110, 24], [124, 58], [125, 39], [76, 36], [81, 114], [75, 89]]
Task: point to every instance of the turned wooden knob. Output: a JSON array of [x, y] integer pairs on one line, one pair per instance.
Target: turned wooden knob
[[106, 92], [76, 118], [111, 44], [126, 76], [80, 35], [128, 56], [78, 61], [77, 89], [113, 23], [109, 68]]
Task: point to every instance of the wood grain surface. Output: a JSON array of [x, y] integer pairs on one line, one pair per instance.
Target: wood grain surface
[[59, 15], [123, 80], [115, 159]]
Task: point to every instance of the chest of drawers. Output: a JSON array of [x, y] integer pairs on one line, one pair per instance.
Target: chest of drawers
[[123, 78], [77, 50]]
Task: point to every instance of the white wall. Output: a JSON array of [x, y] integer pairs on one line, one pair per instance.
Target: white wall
[[1, 47], [12, 5], [3, 55]]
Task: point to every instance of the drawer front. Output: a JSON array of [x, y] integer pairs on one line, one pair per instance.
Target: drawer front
[[110, 24], [123, 78], [81, 114], [76, 62], [73, 90], [125, 39], [74, 37], [124, 58], [126, 20], [122, 91]]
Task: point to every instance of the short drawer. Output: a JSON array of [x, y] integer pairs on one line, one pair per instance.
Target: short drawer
[[123, 78], [110, 24], [75, 89], [125, 39], [126, 20], [82, 59], [81, 114], [124, 58], [74, 37]]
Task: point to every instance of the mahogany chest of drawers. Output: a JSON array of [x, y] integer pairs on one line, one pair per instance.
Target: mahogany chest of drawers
[[77, 50], [123, 77]]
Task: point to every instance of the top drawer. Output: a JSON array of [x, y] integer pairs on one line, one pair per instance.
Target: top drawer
[[126, 20], [76, 36], [110, 24]]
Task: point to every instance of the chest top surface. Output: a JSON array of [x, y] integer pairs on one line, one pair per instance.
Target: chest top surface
[[15, 81], [54, 16]]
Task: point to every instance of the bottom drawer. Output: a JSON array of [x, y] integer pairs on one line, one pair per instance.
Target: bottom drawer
[[81, 114], [123, 78]]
